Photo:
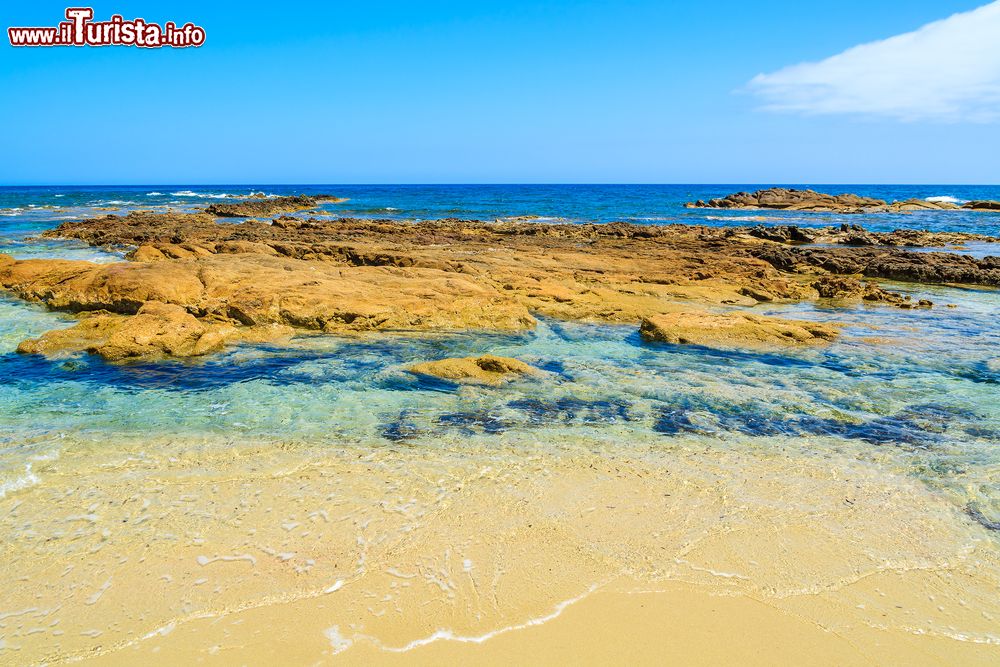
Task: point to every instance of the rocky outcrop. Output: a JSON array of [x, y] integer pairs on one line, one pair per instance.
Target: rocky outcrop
[[615, 272], [487, 369], [267, 206], [738, 329], [846, 288], [793, 200], [169, 307], [881, 262], [789, 199], [255, 289], [856, 235], [921, 205], [353, 275], [983, 205], [156, 330]]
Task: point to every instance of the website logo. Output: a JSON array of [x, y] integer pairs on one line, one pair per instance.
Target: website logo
[[79, 29]]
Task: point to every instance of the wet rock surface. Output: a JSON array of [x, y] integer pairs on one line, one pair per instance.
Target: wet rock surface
[[355, 275], [855, 235], [888, 263], [157, 330], [737, 329], [846, 288], [487, 369]]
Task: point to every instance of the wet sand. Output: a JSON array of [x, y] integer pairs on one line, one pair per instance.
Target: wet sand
[[555, 547]]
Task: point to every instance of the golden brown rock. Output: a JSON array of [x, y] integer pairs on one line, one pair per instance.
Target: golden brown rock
[[351, 275], [146, 253], [847, 288], [487, 369], [252, 290], [157, 330], [736, 329]]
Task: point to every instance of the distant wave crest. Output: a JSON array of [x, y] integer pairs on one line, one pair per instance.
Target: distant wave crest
[[215, 195]]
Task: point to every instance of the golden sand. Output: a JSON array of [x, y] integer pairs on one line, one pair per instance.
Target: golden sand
[[497, 551]]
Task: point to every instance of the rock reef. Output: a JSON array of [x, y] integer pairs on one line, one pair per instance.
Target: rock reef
[[881, 262], [353, 275], [855, 235], [156, 330], [790, 199], [267, 206]]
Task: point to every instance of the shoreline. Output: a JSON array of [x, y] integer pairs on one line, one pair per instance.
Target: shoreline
[[307, 538]]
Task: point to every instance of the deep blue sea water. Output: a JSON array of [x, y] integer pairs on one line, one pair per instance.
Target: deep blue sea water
[[920, 390], [650, 204]]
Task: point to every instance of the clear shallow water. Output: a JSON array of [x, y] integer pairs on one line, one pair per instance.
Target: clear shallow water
[[917, 390]]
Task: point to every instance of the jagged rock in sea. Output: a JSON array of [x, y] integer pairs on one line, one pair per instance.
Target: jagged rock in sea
[[793, 200], [265, 206]]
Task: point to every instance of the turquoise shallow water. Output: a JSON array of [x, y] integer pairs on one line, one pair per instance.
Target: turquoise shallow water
[[917, 390]]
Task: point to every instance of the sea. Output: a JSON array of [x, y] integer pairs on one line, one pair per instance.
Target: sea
[[916, 391]]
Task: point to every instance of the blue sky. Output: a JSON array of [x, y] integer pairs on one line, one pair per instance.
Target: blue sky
[[510, 92]]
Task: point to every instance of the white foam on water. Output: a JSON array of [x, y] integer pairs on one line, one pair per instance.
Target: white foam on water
[[448, 635], [737, 218], [708, 570], [338, 642], [161, 631], [945, 199], [153, 194], [205, 560], [98, 593], [18, 483], [214, 195]]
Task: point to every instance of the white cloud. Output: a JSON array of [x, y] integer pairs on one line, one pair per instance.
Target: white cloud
[[948, 70]]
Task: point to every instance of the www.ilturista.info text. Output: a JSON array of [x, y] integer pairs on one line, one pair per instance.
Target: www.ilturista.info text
[[80, 30]]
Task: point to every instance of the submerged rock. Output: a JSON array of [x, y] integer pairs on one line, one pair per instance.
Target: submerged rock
[[487, 369], [736, 329]]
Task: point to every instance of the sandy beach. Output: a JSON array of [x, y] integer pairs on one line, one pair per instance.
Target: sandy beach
[[509, 550]]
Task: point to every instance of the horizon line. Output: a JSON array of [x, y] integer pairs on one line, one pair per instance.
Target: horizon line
[[498, 183]]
